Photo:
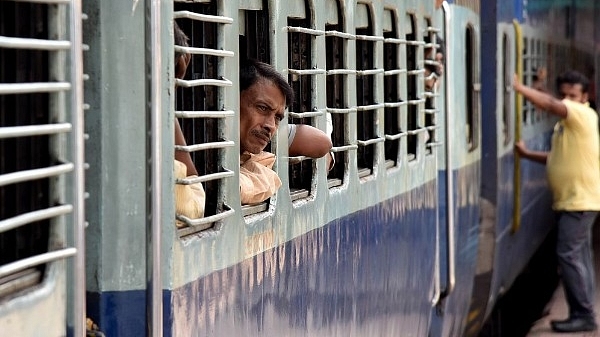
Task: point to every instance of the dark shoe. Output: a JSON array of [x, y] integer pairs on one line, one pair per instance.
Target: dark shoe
[[574, 325]]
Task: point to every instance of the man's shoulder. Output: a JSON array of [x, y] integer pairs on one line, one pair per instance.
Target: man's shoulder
[[579, 110], [578, 106]]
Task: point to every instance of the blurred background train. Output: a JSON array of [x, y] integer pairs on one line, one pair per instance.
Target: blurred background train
[[422, 228]]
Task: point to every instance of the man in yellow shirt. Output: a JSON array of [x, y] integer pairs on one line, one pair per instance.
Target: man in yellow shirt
[[573, 170]]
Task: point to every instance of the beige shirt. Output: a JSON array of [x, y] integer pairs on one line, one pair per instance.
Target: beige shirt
[[189, 199], [258, 182]]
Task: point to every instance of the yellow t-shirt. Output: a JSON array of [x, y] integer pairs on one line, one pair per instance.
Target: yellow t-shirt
[[573, 165]]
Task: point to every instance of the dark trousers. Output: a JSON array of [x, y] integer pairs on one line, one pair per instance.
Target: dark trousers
[[576, 262]]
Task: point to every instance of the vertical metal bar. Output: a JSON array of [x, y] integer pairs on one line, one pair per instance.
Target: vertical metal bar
[[449, 173], [518, 126], [153, 256], [437, 291], [78, 144]]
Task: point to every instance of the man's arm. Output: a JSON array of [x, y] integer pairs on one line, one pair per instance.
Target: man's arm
[[536, 156], [183, 156], [309, 141], [540, 99]]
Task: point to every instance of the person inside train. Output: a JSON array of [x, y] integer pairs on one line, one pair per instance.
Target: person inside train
[[189, 199], [539, 79], [434, 69], [264, 96], [572, 167]]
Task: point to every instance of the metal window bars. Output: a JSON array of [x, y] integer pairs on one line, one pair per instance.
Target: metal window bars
[[302, 77], [337, 105], [204, 117], [58, 80]]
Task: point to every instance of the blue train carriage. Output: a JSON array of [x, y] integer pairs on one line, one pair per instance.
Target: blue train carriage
[[313, 259], [459, 167], [331, 252], [515, 201], [384, 243], [41, 169]]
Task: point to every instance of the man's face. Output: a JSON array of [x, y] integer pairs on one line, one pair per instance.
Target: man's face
[[181, 64], [262, 107], [573, 92]]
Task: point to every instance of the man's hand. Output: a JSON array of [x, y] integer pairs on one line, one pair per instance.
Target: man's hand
[[520, 148], [516, 82]]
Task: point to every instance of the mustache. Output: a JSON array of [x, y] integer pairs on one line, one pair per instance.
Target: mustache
[[263, 133]]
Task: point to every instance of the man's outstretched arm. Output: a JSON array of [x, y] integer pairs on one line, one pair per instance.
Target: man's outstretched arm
[[540, 99], [310, 142]]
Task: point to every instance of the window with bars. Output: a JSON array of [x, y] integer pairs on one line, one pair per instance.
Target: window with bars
[[527, 72], [413, 75], [201, 111], [254, 43], [472, 89], [433, 71], [35, 124], [539, 73], [302, 76], [394, 75], [506, 90], [366, 114], [336, 42]]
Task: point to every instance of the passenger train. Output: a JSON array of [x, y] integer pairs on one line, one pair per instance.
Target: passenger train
[[425, 222]]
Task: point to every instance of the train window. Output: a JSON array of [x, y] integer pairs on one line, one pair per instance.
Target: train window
[[394, 105], [201, 111], [337, 82], [432, 72], [506, 90], [526, 79], [472, 89], [255, 44], [254, 34], [414, 100], [38, 108], [367, 106], [538, 76], [302, 74]]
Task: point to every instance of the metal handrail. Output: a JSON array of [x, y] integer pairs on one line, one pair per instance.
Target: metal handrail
[[77, 121], [154, 60]]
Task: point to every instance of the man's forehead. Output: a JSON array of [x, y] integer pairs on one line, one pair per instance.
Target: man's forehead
[[259, 88]]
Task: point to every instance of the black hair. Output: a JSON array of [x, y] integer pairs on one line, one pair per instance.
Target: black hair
[[180, 38], [252, 70], [573, 77]]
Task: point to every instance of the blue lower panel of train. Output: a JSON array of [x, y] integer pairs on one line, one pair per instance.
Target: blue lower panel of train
[[369, 273], [357, 271]]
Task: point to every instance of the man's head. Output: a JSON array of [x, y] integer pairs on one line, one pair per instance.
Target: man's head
[[181, 59], [573, 86], [264, 96]]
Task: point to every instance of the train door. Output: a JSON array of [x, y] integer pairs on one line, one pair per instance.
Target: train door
[[497, 139], [41, 169], [460, 169]]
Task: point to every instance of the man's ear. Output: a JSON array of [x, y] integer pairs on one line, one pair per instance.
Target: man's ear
[[585, 97]]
